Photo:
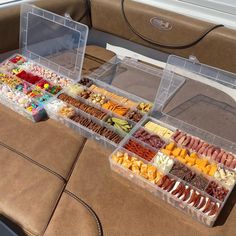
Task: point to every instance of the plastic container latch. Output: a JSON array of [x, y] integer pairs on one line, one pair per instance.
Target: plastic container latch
[[67, 15], [193, 59]]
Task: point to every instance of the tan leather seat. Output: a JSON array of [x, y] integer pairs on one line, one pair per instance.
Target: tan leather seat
[[29, 194], [49, 143], [35, 160], [72, 218]]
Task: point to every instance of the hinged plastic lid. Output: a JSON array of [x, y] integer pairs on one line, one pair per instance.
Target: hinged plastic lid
[[137, 80], [52, 40], [206, 99]]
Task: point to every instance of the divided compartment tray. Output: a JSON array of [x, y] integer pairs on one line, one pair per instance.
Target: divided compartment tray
[[101, 82], [174, 125], [179, 71], [157, 191], [51, 43], [7, 69]]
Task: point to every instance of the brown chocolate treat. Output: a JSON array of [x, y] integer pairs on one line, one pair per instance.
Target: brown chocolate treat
[[151, 139], [217, 191], [180, 170], [85, 94], [199, 182], [134, 116], [86, 82]]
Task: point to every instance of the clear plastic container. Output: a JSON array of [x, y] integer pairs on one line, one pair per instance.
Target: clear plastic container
[[53, 41], [168, 196], [207, 98], [17, 96], [121, 83], [52, 48], [189, 98]]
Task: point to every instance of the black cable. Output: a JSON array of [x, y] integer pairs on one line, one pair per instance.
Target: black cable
[[169, 46]]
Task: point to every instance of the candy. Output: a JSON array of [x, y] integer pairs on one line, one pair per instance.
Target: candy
[[47, 74], [44, 98], [9, 80], [144, 107], [35, 93], [134, 116], [97, 98], [32, 79], [86, 82], [23, 87], [45, 85], [54, 106], [7, 66], [17, 59], [19, 98]]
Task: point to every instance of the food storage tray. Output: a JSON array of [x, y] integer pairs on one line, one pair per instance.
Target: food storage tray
[[108, 81], [52, 49], [189, 156]]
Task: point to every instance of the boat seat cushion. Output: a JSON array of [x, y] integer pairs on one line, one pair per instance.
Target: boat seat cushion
[[72, 218], [29, 194]]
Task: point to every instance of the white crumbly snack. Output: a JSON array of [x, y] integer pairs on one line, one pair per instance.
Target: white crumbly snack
[[54, 106], [74, 89], [225, 176], [163, 162]]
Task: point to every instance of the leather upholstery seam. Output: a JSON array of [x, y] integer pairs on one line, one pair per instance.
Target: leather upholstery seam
[[76, 159], [66, 181], [54, 208], [22, 155], [90, 210]]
